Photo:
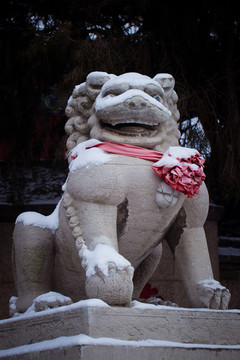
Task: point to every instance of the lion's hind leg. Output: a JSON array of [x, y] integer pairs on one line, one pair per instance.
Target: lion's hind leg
[[33, 262]]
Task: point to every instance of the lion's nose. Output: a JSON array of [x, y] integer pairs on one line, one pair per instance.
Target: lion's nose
[[136, 103]]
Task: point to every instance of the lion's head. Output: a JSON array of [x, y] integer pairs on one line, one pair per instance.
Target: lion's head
[[130, 108]]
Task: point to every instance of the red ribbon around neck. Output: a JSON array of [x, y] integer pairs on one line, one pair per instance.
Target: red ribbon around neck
[[186, 176]]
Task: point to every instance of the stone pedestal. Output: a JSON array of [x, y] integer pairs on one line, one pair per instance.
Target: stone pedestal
[[82, 331]]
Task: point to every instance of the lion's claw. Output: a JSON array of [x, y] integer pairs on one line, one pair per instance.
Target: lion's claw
[[213, 295]]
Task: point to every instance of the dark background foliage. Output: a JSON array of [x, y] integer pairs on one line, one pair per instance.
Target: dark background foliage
[[47, 47]]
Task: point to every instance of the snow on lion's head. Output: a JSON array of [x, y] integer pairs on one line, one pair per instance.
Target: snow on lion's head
[[130, 108]]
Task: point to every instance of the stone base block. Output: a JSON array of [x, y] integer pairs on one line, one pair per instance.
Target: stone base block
[[82, 331], [124, 351]]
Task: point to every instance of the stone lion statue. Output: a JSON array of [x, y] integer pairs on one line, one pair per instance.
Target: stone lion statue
[[120, 200]]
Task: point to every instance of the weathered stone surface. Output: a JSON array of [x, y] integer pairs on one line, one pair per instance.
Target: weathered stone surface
[[122, 333], [117, 202], [126, 351], [165, 279], [160, 323]]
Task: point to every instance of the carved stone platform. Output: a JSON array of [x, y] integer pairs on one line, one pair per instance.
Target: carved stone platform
[[85, 331]]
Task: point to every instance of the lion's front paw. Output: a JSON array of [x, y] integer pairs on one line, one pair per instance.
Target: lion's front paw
[[115, 288], [42, 302], [108, 274], [213, 295], [50, 300]]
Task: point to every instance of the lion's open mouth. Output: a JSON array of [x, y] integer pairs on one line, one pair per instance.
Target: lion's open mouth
[[130, 128]]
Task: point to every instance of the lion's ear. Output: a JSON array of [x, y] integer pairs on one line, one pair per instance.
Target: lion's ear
[[94, 82], [166, 81]]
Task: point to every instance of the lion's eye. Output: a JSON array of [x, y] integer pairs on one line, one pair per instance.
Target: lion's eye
[[157, 97], [108, 94], [115, 90], [112, 93]]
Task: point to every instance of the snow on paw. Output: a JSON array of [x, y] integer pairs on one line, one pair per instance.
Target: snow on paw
[[50, 300], [108, 274], [21, 305], [213, 295]]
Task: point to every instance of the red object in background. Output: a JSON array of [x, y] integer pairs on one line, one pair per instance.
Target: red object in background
[[148, 292], [45, 140], [46, 136], [5, 150]]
